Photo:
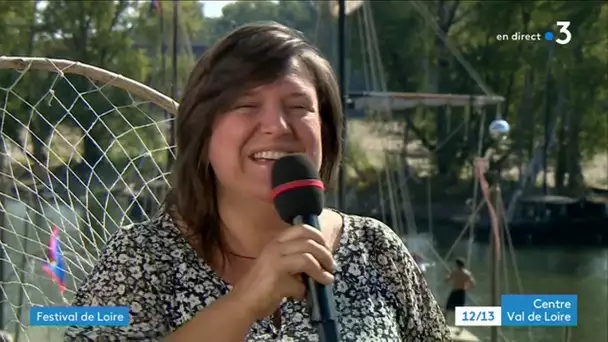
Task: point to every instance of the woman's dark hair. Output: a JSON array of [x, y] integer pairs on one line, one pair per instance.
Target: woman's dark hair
[[250, 56]]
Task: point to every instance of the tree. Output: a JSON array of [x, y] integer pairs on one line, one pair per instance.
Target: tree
[[97, 34]]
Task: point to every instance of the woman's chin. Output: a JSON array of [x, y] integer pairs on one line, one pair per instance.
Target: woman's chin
[[261, 192]]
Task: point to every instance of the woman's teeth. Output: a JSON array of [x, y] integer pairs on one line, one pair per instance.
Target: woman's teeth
[[269, 155]]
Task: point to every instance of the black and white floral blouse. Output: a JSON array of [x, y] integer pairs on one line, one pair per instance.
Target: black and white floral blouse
[[380, 293]]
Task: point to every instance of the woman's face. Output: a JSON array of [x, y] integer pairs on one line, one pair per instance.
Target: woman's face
[[265, 124]]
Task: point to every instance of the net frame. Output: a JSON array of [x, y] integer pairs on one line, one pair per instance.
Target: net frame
[[26, 278], [109, 78]]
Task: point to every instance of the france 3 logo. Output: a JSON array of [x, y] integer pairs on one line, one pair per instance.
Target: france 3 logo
[[563, 31]]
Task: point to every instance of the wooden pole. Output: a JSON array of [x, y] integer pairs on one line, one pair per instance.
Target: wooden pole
[[567, 334], [175, 76], [547, 117], [344, 96], [163, 80], [495, 266]]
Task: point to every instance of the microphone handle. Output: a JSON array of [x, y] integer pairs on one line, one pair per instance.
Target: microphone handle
[[320, 298]]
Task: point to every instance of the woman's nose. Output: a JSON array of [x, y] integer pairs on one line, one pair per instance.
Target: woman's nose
[[274, 120]]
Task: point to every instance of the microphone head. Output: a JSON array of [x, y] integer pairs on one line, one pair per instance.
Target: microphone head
[[297, 189]]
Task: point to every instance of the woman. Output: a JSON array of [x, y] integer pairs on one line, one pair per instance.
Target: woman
[[218, 264]]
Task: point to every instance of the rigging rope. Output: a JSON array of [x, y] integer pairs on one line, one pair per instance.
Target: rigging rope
[[367, 81], [376, 116], [478, 181], [473, 299], [428, 17], [406, 202], [482, 130], [481, 166]]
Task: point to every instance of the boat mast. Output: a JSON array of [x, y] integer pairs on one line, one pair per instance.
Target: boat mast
[[341, 200], [547, 122], [163, 75], [174, 79]]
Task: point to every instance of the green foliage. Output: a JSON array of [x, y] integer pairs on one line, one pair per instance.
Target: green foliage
[[402, 34], [359, 170]]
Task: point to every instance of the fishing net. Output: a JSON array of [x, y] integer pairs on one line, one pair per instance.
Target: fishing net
[[82, 150]]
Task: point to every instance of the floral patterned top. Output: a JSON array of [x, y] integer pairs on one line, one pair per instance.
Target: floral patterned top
[[380, 293]]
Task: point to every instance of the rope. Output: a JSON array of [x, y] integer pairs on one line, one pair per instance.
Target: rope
[[382, 85], [476, 181], [480, 169], [463, 231], [510, 246], [473, 299], [368, 80], [480, 180], [428, 17]]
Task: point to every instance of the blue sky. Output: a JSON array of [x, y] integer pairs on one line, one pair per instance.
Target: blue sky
[[214, 8]]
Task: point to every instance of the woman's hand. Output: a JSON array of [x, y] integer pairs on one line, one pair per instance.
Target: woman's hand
[[277, 273]]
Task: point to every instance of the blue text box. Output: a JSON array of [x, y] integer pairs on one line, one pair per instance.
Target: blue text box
[[79, 316], [539, 310]]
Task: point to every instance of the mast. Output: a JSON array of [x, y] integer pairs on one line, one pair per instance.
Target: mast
[[344, 97], [174, 78], [495, 262], [163, 73], [547, 117]]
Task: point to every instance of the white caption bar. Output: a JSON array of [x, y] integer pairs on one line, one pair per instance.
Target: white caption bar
[[484, 316]]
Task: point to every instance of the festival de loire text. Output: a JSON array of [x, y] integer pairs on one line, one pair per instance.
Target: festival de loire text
[[84, 317]]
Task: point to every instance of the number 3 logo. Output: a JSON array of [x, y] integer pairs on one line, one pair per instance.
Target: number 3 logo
[[563, 28]]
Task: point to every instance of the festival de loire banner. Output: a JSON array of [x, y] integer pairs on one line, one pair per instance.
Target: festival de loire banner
[[515, 310], [79, 316], [528, 310]]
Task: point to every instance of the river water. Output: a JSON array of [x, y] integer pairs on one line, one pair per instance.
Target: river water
[[541, 270]]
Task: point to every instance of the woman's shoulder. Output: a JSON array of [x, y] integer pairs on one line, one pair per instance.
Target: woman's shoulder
[[371, 237], [373, 232], [155, 239], [136, 269], [420, 316]]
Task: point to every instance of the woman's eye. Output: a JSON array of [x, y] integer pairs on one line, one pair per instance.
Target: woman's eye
[[245, 106], [300, 107]]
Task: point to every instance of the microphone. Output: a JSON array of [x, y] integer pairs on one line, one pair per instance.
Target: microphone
[[299, 199]]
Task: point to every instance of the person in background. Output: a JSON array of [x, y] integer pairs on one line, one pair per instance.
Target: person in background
[[461, 280], [217, 263]]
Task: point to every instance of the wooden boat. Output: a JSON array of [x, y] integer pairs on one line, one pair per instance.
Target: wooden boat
[[551, 219]]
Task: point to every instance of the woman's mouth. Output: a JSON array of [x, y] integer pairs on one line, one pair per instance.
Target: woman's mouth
[[265, 157]]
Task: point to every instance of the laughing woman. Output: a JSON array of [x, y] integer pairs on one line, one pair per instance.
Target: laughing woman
[[217, 263]]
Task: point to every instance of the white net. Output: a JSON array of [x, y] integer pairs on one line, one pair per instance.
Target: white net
[[83, 150]]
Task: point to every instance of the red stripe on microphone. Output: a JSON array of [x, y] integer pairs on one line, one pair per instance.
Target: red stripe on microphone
[[297, 184]]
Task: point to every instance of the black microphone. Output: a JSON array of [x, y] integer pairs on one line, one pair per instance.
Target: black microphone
[[298, 197]]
